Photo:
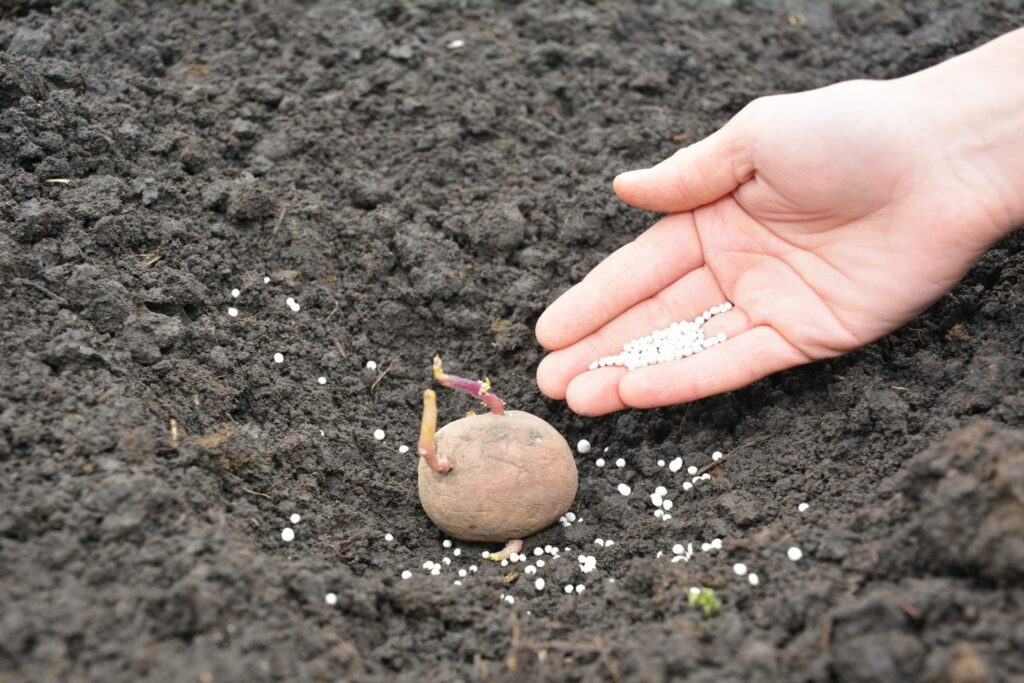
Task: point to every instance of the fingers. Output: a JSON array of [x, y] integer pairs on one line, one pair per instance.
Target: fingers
[[682, 300], [596, 392], [744, 359], [658, 257], [696, 175], [741, 360]]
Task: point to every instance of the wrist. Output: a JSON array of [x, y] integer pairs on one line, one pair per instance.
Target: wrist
[[973, 108]]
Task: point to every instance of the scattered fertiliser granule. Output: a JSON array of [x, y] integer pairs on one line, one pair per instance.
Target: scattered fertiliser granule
[[403, 449], [321, 380], [794, 553], [331, 599], [293, 304], [295, 518], [583, 447], [624, 489], [371, 365], [389, 537], [599, 462], [287, 534], [588, 563], [802, 507], [232, 311], [679, 340], [406, 575], [379, 434], [279, 357], [620, 463], [753, 580], [456, 44], [235, 293]]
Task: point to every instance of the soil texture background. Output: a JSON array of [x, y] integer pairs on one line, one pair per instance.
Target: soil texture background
[[415, 198]]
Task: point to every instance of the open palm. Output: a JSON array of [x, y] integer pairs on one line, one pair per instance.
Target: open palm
[[828, 218]]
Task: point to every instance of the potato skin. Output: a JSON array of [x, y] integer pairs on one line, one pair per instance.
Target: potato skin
[[512, 475]]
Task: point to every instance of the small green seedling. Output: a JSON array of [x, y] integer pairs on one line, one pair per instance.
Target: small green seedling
[[706, 600], [496, 477]]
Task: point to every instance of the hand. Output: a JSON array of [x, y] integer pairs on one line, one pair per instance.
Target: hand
[[828, 218]]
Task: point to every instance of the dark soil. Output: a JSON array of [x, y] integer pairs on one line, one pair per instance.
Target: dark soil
[[417, 199]]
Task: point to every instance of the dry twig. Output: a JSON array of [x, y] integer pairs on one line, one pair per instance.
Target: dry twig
[[39, 288], [333, 310], [256, 493], [725, 458], [381, 375]]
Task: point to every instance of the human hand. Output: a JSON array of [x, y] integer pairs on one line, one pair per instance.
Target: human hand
[[828, 218]]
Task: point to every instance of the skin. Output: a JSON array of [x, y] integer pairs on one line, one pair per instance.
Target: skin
[[829, 218]]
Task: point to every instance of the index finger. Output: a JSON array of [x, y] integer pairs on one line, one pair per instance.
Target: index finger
[[658, 257]]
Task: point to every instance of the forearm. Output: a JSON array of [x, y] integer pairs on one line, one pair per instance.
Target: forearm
[[975, 104]]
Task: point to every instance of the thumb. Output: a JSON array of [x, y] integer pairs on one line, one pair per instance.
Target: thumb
[[696, 175]]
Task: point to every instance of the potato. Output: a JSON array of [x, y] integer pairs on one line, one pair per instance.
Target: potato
[[512, 475]]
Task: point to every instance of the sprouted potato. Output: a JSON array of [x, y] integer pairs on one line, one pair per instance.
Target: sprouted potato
[[496, 477]]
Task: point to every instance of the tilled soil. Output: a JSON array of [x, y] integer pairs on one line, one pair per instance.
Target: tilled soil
[[416, 198]]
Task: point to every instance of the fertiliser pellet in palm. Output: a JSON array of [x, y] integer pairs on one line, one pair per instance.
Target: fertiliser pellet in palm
[[679, 340]]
